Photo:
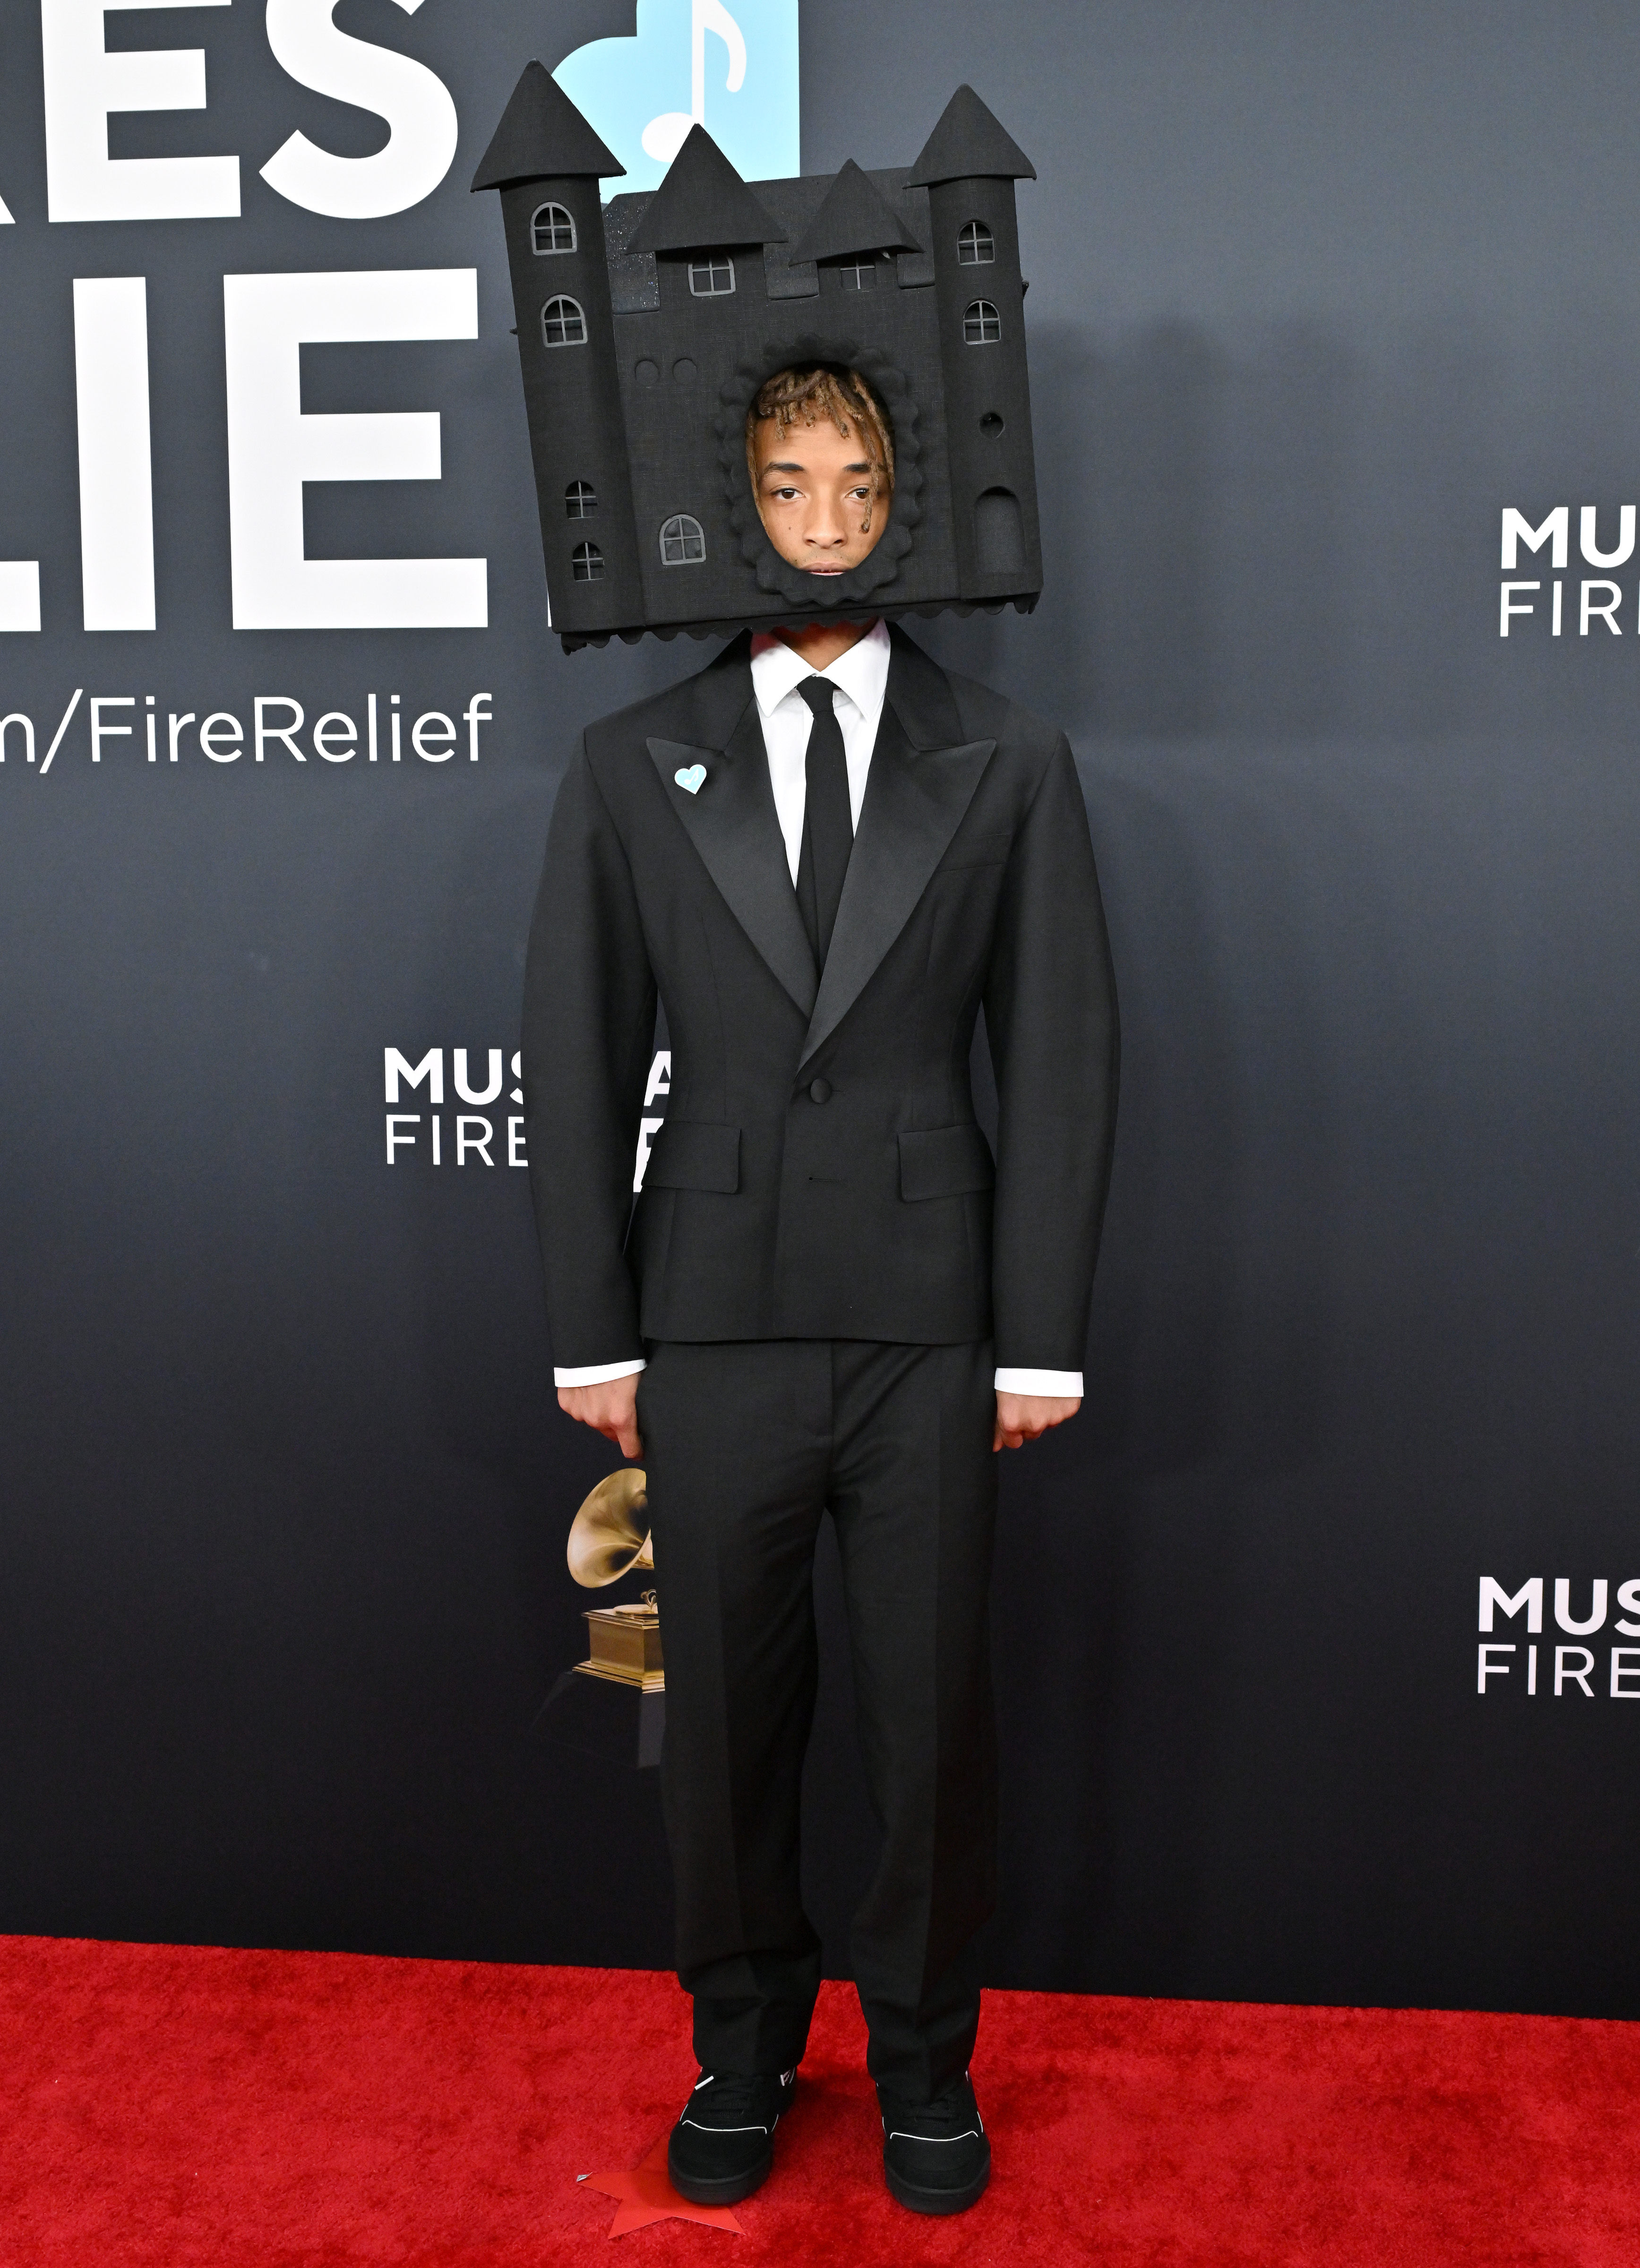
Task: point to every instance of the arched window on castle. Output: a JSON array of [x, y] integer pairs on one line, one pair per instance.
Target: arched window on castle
[[552, 229], [977, 246], [580, 500], [713, 278], [982, 325], [586, 564], [682, 542], [563, 324]]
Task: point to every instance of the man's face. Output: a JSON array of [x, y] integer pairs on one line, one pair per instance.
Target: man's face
[[814, 494]]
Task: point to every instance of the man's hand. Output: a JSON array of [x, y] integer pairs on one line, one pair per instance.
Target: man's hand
[[1021, 1418], [611, 1409]]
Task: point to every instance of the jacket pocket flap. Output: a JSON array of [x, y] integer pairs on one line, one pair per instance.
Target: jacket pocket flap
[[945, 1162], [691, 1154]]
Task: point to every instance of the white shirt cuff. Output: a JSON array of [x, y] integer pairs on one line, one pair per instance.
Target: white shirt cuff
[[1063, 1384], [599, 1373]]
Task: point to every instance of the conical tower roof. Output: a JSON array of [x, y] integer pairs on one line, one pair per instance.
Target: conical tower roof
[[855, 217], [542, 136], [968, 144], [702, 203]]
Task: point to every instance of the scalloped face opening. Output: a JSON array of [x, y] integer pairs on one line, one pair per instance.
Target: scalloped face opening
[[871, 563], [821, 494]]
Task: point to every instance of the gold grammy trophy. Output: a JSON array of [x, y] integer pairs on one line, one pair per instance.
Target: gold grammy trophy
[[608, 1538]]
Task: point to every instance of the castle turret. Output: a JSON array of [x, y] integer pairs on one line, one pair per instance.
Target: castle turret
[[969, 167], [703, 204], [547, 162], [705, 226], [855, 222]]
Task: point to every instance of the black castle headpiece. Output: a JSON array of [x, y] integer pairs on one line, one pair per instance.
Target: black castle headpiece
[[647, 327]]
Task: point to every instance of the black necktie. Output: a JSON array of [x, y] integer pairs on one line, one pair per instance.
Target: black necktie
[[828, 828]]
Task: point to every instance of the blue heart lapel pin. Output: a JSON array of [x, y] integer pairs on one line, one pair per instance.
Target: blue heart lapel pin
[[691, 778]]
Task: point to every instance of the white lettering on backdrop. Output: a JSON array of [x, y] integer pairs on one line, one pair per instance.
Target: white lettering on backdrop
[[116, 476], [84, 83], [279, 719], [420, 1133], [273, 448], [422, 128], [20, 594]]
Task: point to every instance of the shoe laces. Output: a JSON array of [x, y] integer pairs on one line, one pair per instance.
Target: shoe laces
[[952, 2108], [729, 2094]]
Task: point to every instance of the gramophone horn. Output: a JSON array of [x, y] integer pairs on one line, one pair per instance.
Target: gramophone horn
[[610, 1534]]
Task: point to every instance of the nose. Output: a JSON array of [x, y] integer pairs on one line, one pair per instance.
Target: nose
[[825, 531]]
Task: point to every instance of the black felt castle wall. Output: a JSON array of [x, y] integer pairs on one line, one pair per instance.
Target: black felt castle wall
[[645, 326]]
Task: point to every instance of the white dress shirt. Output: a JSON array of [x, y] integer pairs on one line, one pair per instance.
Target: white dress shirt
[[860, 678]]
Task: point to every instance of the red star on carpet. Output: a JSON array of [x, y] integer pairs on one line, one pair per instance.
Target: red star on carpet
[[646, 2194]]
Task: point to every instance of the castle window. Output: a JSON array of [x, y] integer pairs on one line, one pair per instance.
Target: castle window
[[713, 278], [858, 275], [982, 325], [977, 246], [552, 230], [580, 500], [563, 324], [586, 564], [682, 542]]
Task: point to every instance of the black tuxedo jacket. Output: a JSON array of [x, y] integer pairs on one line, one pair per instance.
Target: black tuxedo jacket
[[820, 1174]]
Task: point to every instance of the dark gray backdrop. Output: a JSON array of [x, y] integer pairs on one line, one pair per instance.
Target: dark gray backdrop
[[1318, 288]]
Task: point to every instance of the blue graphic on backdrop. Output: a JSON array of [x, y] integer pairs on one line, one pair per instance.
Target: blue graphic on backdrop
[[728, 65]]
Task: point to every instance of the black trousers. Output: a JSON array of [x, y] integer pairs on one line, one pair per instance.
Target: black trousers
[[747, 1443]]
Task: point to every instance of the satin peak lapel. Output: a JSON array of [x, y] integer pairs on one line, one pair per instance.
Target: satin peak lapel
[[915, 802], [732, 821]]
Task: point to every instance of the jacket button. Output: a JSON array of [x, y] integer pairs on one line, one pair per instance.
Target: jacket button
[[821, 1091]]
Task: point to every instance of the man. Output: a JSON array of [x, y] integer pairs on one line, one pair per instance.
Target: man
[[824, 854]]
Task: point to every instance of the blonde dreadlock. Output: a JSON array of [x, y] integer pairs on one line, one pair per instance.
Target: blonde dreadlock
[[804, 395]]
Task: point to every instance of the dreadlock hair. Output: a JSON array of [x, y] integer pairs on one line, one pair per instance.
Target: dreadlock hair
[[811, 391]]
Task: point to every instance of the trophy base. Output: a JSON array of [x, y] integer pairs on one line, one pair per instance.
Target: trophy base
[[646, 1681], [624, 1643], [613, 1719]]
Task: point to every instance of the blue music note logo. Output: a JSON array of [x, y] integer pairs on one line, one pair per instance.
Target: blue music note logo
[[664, 136], [736, 60]]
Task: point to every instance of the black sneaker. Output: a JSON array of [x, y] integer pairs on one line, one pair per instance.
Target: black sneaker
[[936, 2158], [722, 2147]]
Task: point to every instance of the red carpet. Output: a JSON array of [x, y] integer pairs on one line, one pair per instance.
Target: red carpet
[[169, 2108]]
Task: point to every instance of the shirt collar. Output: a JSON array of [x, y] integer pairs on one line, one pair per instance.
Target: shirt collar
[[862, 672]]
